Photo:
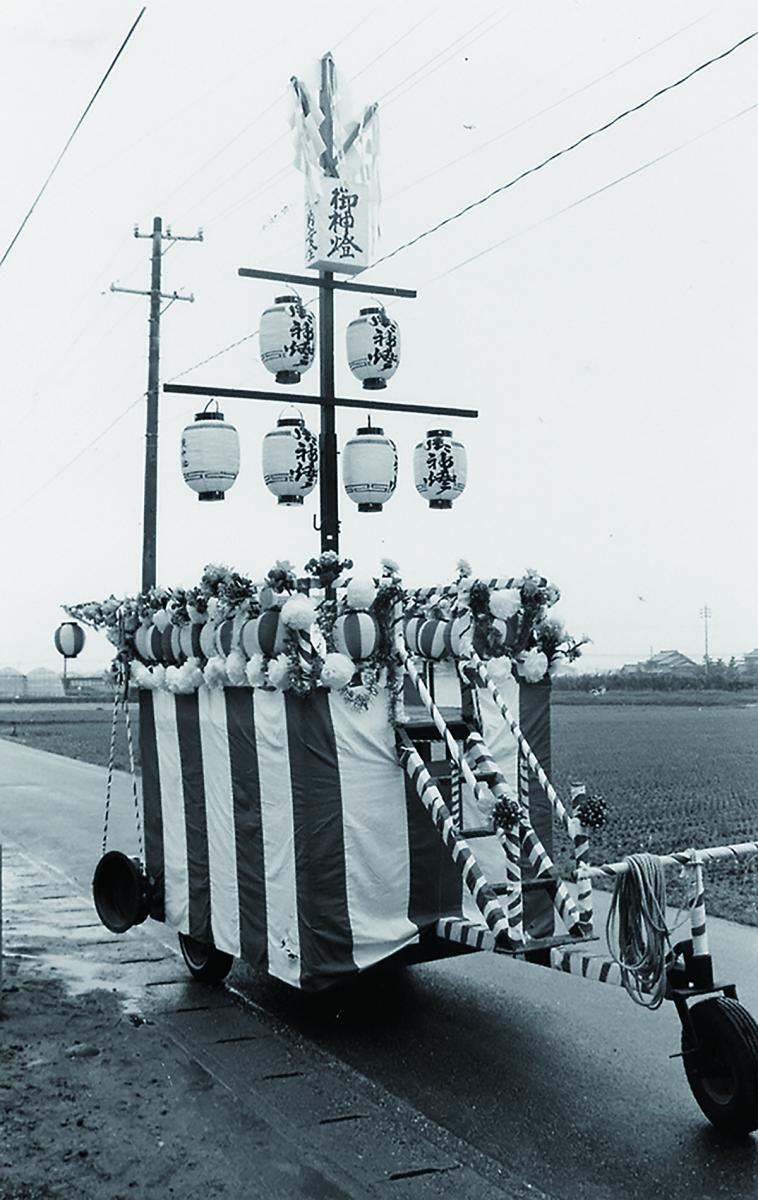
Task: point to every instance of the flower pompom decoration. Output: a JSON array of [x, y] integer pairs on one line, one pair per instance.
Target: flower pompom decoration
[[279, 672], [214, 675], [256, 671], [148, 677], [361, 594], [299, 612], [533, 666], [506, 814], [337, 671], [505, 603], [592, 812], [235, 668], [161, 619], [212, 609]]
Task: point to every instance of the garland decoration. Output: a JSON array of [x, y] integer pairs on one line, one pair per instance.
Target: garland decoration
[[593, 812], [506, 814]]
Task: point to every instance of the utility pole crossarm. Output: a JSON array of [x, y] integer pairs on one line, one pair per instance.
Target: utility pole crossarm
[[161, 295]]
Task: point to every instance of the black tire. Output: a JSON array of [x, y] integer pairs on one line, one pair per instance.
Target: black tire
[[204, 962], [721, 1062]]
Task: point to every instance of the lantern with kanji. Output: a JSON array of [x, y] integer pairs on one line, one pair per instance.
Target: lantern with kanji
[[290, 460], [373, 347], [210, 455], [69, 639], [287, 339], [439, 467], [369, 468]]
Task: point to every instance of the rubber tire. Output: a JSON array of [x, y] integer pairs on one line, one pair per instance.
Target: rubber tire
[[204, 962], [721, 1064]]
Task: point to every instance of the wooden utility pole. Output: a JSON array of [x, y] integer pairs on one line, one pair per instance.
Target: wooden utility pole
[[150, 503]]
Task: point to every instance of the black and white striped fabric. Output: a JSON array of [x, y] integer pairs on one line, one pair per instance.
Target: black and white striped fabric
[[284, 831]]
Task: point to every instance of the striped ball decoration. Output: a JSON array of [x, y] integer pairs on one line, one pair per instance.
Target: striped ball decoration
[[356, 635], [147, 643], [69, 639], [369, 468], [178, 655], [290, 461], [263, 635], [434, 639], [373, 347], [460, 633], [168, 656], [287, 339], [210, 455], [208, 639], [412, 629], [439, 468], [189, 640], [224, 639]]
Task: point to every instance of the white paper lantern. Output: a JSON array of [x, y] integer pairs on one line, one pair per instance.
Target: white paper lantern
[[439, 467], [373, 347], [369, 468], [287, 339], [210, 455], [290, 460], [69, 639]]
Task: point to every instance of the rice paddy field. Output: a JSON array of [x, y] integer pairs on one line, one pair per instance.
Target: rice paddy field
[[674, 774]]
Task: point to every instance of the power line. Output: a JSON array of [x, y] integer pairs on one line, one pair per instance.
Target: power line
[[669, 87], [606, 187], [70, 139]]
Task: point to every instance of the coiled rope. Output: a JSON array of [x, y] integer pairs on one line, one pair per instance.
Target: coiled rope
[[636, 929]]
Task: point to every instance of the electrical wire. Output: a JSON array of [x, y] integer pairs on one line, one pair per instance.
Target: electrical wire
[[669, 87], [70, 139], [591, 195]]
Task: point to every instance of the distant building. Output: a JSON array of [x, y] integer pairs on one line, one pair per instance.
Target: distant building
[[43, 683], [665, 662], [12, 684], [750, 665]]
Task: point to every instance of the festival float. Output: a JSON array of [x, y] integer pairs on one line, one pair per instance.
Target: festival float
[[340, 772]]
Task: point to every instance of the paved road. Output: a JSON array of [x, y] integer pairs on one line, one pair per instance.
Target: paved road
[[565, 1082]]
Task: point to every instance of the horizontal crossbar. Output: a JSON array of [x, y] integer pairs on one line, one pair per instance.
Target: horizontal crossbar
[[336, 285], [189, 389]]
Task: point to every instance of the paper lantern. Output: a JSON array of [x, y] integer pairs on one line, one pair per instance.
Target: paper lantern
[[168, 656], [189, 640], [373, 347], [356, 635], [208, 639], [69, 639], [369, 469], [460, 632], [177, 650], [147, 643], [412, 627], [434, 639], [269, 633], [224, 638], [290, 460], [439, 467], [210, 455], [287, 339]]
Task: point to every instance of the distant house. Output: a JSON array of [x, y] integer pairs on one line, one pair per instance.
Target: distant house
[[750, 665], [665, 662], [41, 682], [12, 684]]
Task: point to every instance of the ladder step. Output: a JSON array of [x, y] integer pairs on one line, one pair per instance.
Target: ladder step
[[476, 833]]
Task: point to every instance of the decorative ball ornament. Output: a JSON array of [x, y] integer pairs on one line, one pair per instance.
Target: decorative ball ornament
[[439, 468], [147, 642], [168, 657], [178, 655], [412, 628], [69, 639], [434, 639], [269, 633], [369, 468], [287, 339], [208, 639], [373, 347], [356, 635], [210, 455], [592, 812], [290, 460], [506, 814], [224, 638], [461, 633], [189, 640]]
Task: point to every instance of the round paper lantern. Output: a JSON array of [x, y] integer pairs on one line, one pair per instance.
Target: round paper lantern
[[210, 455], [439, 467], [373, 347], [176, 644], [460, 631], [412, 627], [356, 635], [369, 468], [69, 639], [189, 640], [290, 460], [208, 639], [269, 633], [147, 643], [224, 638], [434, 639], [168, 657], [287, 339]]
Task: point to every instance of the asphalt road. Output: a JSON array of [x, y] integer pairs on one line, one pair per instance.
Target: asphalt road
[[564, 1081]]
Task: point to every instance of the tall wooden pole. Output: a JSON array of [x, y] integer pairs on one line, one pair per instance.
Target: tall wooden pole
[[150, 507], [328, 490]]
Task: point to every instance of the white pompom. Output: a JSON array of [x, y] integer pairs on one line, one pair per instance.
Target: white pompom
[[299, 612], [361, 594], [337, 671], [505, 603]]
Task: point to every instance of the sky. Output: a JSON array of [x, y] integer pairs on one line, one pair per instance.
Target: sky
[[600, 314]]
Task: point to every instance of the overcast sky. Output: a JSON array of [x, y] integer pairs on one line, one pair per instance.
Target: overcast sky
[[607, 340]]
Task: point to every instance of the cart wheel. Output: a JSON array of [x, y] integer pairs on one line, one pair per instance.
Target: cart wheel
[[204, 961], [721, 1061]]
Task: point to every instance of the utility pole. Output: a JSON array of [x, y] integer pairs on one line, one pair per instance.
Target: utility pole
[[150, 506], [705, 615]]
